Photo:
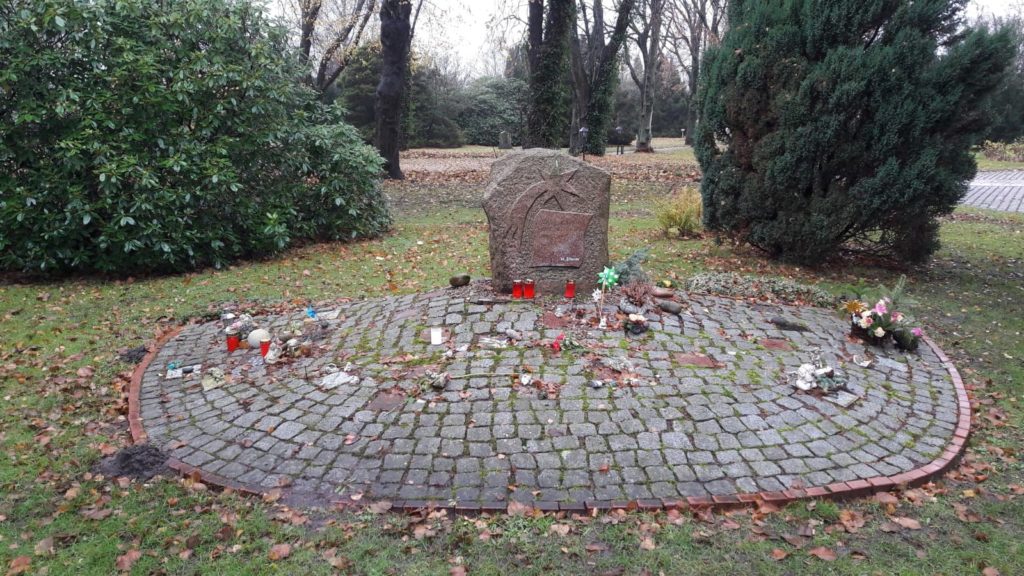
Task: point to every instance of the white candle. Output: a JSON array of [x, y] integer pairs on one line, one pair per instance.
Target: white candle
[[436, 336]]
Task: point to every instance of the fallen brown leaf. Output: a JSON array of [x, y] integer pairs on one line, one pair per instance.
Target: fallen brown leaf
[[823, 553], [44, 547], [886, 498], [560, 529], [280, 552], [336, 562], [19, 565], [519, 509], [908, 523], [851, 520], [965, 514], [779, 554], [125, 562], [422, 531]]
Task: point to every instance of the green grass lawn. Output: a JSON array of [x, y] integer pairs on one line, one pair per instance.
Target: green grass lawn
[[62, 408], [986, 164]]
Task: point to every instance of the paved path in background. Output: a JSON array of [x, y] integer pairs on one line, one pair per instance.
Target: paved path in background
[[697, 407], [1002, 190]]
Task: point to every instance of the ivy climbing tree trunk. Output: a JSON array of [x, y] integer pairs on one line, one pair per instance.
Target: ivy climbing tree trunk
[[594, 74], [548, 116], [395, 36]]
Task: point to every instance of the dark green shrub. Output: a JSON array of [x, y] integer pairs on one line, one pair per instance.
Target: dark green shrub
[[357, 89], [142, 136], [622, 137], [845, 123], [494, 105], [1007, 104]]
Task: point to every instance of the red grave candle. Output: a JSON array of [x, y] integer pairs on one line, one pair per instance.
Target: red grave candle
[[517, 288], [233, 341], [529, 289], [264, 347], [570, 288]]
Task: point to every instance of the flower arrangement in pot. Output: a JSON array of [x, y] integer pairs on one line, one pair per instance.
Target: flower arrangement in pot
[[877, 324]]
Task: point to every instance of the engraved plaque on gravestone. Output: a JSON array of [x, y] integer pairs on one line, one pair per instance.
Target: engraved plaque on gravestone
[[558, 238]]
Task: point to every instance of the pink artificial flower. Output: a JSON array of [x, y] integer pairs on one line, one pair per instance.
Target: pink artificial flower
[[881, 308], [867, 321], [897, 316], [557, 344], [917, 332]]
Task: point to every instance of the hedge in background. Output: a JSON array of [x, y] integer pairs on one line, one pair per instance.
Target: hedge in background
[[843, 123], [139, 135], [494, 105]]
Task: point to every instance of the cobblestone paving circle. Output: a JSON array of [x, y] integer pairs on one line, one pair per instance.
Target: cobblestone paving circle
[[664, 428]]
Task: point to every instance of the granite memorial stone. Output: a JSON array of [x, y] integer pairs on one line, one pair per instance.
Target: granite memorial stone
[[504, 140], [548, 219]]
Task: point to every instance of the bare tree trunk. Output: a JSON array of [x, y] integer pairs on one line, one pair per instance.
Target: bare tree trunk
[[536, 33], [593, 76], [692, 25], [650, 78], [395, 37], [343, 41], [308, 12], [693, 76]]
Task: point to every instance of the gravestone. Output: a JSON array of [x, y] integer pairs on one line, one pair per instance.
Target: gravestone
[[504, 140], [548, 219]]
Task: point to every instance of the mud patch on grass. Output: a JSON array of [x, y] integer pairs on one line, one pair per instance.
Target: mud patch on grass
[[139, 462]]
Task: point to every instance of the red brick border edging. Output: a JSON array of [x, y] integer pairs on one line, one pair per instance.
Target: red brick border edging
[[849, 489]]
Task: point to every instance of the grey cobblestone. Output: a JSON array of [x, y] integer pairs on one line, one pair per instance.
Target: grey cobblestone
[[682, 430]]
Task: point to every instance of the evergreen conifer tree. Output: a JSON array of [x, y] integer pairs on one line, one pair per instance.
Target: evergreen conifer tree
[[832, 123]]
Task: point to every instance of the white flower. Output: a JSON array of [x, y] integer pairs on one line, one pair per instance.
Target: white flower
[[597, 295], [879, 332]]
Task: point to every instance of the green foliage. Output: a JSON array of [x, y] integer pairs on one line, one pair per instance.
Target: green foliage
[[1007, 103], [672, 104], [631, 269], [357, 89], [680, 214], [139, 136], [897, 294], [670, 109], [832, 124], [493, 105], [435, 99]]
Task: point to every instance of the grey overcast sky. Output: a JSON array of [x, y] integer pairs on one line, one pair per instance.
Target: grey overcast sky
[[459, 27]]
